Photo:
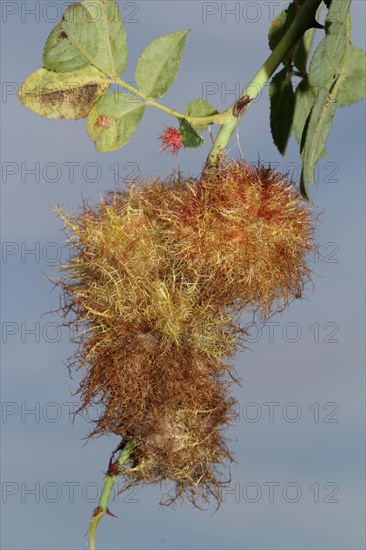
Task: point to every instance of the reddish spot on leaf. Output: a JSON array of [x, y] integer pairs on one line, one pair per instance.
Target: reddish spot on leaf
[[102, 121]]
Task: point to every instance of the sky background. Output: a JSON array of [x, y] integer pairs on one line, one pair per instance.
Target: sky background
[[299, 441]]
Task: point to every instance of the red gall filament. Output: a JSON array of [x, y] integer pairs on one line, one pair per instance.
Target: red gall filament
[[171, 138]]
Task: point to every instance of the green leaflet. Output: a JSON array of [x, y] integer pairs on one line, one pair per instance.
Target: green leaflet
[[304, 46], [63, 95], [354, 86], [283, 102], [190, 138], [112, 53], [89, 33], [327, 60], [317, 128], [81, 32], [279, 26], [199, 107], [60, 55], [282, 99], [304, 100], [158, 65], [303, 49], [96, 29], [113, 120], [328, 71]]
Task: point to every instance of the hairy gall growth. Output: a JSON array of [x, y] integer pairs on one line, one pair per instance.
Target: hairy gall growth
[[159, 279]]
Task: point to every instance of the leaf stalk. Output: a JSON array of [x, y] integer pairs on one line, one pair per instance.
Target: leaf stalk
[[219, 118]]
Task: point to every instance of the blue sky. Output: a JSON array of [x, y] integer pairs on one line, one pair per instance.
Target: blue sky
[[297, 484]]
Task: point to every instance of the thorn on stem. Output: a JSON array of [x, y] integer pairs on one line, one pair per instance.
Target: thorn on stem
[[297, 5], [120, 447], [110, 513], [314, 24], [240, 105], [113, 468]]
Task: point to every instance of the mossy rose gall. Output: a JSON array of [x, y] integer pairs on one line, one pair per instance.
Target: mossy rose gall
[[160, 276]]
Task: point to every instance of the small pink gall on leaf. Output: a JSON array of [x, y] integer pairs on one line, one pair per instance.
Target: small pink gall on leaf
[[171, 138], [102, 121]]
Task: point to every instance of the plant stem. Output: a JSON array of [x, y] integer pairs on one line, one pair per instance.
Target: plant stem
[[302, 23], [219, 118], [109, 481]]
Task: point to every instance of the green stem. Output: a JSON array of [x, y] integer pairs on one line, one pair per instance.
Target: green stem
[[109, 481], [219, 118], [302, 22]]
